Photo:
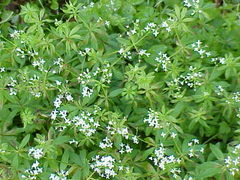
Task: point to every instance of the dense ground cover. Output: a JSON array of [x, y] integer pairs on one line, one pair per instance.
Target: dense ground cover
[[120, 89]]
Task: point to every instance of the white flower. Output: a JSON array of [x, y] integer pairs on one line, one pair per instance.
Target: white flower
[[58, 83], [32, 172], [57, 102], [107, 23], [104, 166], [196, 141], [152, 119], [35, 153], [2, 69], [160, 159], [155, 33], [73, 141], [106, 143], [69, 97], [58, 61], [54, 114], [143, 52], [121, 51], [163, 134], [135, 139], [62, 175], [84, 123], [164, 60], [16, 34], [87, 92], [87, 50], [133, 31], [125, 148]]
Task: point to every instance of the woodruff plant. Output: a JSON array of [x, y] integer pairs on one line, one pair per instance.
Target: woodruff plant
[[120, 89]]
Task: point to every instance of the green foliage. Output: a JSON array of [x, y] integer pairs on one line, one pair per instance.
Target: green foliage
[[120, 89]]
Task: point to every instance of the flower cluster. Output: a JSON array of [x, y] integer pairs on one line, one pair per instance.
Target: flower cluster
[[33, 172], [62, 175], [85, 77], [143, 52], [135, 28], [84, 52], [35, 82], [106, 74], [73, 141], [167, 24], [59, 100], [125, 148], [125, 54], [175, 172], [2, 69], [104, 166], [86, 91], [90, 5], [135, 139], [114, 128], [11, 85], [192, 79], [193, 4], [20, 53], [106, 143], [153, 119], [152, 27], [59, 65], [84, 123], [162, 160], [16, 34], [36, 153], [102, 73], [232, 161], [219, 90], [219, 60], [236, 97], [197, 47], [164, 60], [39, 64], [194, 148]]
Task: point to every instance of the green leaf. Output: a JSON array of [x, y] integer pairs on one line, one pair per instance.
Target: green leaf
[[178, 109], [24, 141], [136, 2], [64, 161], [115, 92], [77, 174], [82, 155], [146, 153], [74, 30], [61, 140], [228, 73], [215, 74], [208, 169], [15, 161], [217, 152], [177, 12], [6, 16], [54, 5], [224, 128], [75, 158]]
